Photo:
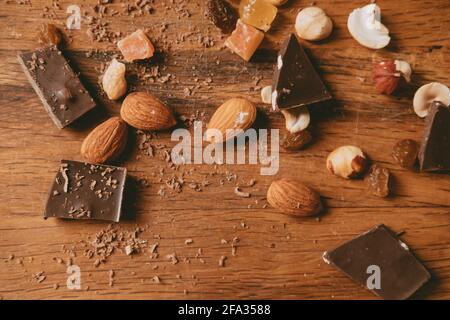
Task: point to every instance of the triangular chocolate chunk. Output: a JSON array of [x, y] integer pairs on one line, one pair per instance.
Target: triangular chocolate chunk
[[434, 154], [296, 82]]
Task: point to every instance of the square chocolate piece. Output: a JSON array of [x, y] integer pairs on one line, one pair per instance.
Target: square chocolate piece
[[434, 154], [86, 191], [379, 253], [296, 83], [59, 88]]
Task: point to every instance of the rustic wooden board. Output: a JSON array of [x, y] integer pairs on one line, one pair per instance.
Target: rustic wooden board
[[277, 256]]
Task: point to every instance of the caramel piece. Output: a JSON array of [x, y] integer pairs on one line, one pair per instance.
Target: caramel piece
[[136, 46], [244, 40], [258, 13]]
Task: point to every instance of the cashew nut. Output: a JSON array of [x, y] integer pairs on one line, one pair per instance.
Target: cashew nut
[[429, 93], [297, 119], [365, 26]]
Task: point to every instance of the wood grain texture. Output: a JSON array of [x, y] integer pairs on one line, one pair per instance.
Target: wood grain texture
[[277, 256]]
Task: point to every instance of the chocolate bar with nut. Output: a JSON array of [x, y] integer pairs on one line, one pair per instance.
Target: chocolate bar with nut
[[57, 85], [86, 191]]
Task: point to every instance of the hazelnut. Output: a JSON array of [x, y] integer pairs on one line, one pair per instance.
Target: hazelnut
[[390, 74], [429, 93], [313, 24], [347, 162]]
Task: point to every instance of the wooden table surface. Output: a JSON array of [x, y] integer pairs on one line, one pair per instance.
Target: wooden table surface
[[277, 256]]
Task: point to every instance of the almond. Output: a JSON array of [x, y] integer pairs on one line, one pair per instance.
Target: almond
[[235, 114], [293, 197], [144, 111], [106, 142]]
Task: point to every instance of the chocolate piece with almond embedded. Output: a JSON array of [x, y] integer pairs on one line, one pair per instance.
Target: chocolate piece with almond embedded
[[86, 191], [59, 88]]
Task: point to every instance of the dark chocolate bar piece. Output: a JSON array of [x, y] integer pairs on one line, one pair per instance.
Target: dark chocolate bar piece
[[296, 82], [379, 250], [86, 191], [59, 88], [434, 154]]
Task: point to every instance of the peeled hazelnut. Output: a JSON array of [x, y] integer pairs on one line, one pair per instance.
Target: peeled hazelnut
[[114, 82], [313, 24], [49, 34], [297, 119], [347, 162], [390, 74], [429, 93]]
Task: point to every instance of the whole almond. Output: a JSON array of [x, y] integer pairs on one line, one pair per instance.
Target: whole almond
[[293, 197], [106, 142], [145, 112], [235, 114]]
